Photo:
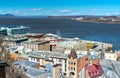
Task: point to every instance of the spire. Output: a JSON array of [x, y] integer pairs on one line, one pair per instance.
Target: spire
[[73, 54]]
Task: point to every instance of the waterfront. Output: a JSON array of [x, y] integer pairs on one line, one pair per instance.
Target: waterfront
[[68, 28]]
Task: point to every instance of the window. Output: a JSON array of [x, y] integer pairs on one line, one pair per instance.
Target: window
[[65, 67], [34, 58], [65, 61], [114, 56], [64, 73], [74, 63], [72, 73], [74, 68], [60, 60], [69, 62], [69, 68], [86, 59], [38, 59]]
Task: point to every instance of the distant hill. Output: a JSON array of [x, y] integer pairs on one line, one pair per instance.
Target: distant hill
[[14, 16], [6, 15], [53, 17]]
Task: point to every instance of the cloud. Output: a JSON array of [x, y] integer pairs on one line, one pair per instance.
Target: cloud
[[36, 9], [108, 13], [16, 11], [30, 11], [95, 9], [65, 11], [113, 13], [116, 13]]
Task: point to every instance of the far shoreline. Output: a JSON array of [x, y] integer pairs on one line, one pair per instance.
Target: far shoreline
[[99, 22]]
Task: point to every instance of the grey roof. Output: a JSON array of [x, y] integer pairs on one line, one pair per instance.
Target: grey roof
[[34, 71], [67, 44], [35, 42], [109, 73], [23, 56], [113, 65], [48, 55], [25, 63], [61, 50], [81, 55], [50, 69], [59, 55], [93, 57]]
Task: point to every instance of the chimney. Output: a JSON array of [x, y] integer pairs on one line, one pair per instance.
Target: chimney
[[56, 71], [2, 69]]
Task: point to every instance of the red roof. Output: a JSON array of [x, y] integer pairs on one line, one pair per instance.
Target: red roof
[[95, 71]]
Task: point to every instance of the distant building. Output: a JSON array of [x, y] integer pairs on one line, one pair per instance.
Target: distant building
[[16, 30], [111, 55], [12, 42], [68, 44], [8, 43], [3, 32], [37, 45]]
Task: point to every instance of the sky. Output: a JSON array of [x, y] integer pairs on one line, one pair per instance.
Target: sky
[[60, 7]]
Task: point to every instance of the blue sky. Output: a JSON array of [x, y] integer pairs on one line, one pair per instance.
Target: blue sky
[[60, 7]]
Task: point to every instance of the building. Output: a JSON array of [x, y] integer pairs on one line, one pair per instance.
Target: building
[[37, 45], [8, 43], [76, 65], [70, 65], [2, 69], [68, 44], [16, 30], [56, 71], [111, 55], [12, 42], [29, 71], [94, 68], [35, 36], [35, 70], [3, 32], [95, 71]]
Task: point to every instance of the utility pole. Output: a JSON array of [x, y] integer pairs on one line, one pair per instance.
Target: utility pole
[[102, 52]]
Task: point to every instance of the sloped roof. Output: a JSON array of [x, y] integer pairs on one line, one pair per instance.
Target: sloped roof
[[73, 54], [26, 63]]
